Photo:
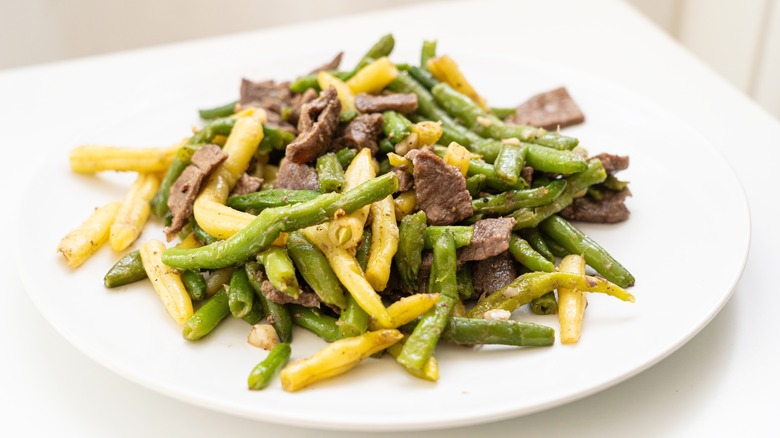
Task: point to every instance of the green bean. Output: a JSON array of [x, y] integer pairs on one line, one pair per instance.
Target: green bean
[[274, 139], [481, 167], [256, 314], [241, 296], [576, 242], [263, 230], [509, 162], [522, 251], [219, 111], [353, 320], [502, 113], [547, 304], [361, 255], [534, 238], [263, 372], [259, 201], [427, 53], [509, 201], [532, 216], [127, 270], [386, 146], [346, 156], [488, 125], [465, 283], [194, 283], [471, 331], [462, 235], [411, 241], [280, 270], [423, 76], [316, 322], [381, 48], [532, 285], [206, 319], [278, 315], [201, 235], [555, 248], [422, 342], [220, 126], [396, 126], [475, 184], [346, 116], [305, 82], [330, 174], [315, 269], [550, 160]]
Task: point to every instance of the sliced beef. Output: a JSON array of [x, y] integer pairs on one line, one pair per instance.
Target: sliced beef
[[440, 189], [612, 163], [491, 238], [362, 132], [492, 274], [316, 126], [305, 299], [298, 101], [549, 110], [185, 189], [376, 103], [405, 179], [610, 209], [296, 176], [527, 174], [247, 184], [273, 97], [332, 65]]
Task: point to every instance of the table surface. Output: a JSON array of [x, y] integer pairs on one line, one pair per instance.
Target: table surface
[[722, 381]]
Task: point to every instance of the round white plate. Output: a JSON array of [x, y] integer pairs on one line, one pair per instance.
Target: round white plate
[[686, 243]]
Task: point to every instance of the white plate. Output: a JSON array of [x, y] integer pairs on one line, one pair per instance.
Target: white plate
[[686, 243]]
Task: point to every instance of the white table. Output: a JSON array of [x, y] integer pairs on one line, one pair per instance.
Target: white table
[[721, 382]]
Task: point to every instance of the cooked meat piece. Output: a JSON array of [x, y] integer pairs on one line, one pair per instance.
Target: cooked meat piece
[[492, 274], [319, 121], [440, 189], [332, 65], [185, 189], [296, 176], [549, 110], [609, 210], [612, 163], [376, 103], [298, 101], [267, 94], [305, 299], [405, 179], [527, 174], [247, 184], [362, 132], [491, 238]]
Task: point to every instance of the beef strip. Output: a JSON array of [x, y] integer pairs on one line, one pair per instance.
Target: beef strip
[[332, 65], [404, 103], [549, 110], [612, 163], [609, 210], [296, 176], [362, 132], [305, 299], [185, 189], [298, 101], [491, 238], [316, 126], [527, 174], [440, 189], [273, 97], [405, 179], [247, 184], [492, 274]]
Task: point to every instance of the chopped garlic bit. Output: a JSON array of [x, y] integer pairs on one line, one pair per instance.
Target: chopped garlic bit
[[263, 336], [512, 141], [497, 315], [484, 121]]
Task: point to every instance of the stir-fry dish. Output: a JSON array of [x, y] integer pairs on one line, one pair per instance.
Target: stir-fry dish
[[386, 207]]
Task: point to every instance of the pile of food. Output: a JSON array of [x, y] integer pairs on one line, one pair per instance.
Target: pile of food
[[386, 208]]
